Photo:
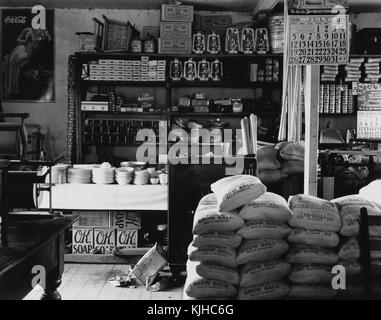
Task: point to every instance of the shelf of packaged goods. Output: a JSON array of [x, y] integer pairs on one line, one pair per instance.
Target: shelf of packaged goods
[[154, 113], [334, 115], [185, 84], [125, 83], [224, 84], [129, 55], [215, 114]]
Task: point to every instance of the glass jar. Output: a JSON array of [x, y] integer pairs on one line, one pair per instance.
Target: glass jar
[[237, 105]]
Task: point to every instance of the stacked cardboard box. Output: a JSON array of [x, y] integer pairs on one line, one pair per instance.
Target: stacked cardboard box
[[176, 29], [128, 70], [102, 231]]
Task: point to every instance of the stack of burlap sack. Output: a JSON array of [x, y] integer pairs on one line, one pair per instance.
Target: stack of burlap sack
[[349, 251], [212, 270], [261, 256], [280, 161], [314, 237], [292, 155]]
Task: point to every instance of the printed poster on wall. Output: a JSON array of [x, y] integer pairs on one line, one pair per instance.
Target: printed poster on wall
[[27, 57]]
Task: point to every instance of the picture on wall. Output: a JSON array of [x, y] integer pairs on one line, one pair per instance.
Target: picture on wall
[[27, 57]]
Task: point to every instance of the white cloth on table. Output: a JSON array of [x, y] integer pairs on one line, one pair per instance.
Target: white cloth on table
[[106, 197]]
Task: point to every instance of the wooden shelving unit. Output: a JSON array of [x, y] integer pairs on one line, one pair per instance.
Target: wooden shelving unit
[[169, 86], [162, 111]]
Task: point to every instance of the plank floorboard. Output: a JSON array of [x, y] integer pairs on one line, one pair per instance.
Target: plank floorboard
[[89, 282]]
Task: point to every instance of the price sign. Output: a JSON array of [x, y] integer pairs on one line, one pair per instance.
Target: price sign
[[315, 6], [318, 40]]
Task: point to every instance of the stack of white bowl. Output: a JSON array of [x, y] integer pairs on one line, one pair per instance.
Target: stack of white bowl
[[59, 173], [141, 177], [103, 175], [124, 175], [79, 175]]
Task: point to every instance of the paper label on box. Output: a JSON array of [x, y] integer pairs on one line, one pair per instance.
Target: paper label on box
[[92, 218], [82, 241], [104, 240], [127, 238], [125, 220]]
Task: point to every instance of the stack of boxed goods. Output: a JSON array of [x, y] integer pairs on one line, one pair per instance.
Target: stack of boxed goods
[[126, 70], [261, 254], [212, 271], [335, 98], [372, 70], [352, 70], [314, 237], [176, 29], [329, 73], [292, 155], [349, 252], [100, 232]]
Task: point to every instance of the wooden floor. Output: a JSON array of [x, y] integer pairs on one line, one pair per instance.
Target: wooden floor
[[89, 282]]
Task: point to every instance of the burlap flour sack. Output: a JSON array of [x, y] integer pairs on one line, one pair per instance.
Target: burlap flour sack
[[352, 267], [317, 238], [308, 273], [375, 247], [266, 291], [312, 292], [213, 272], [235, 191], [374, 231], [271, 176], [264, 230], [261, 250], [291, 150], [218, 255], [353, 203], [313, 213], [349, 249], [200, 288], [309, 254], [268, 207], [256, 273], [267, 158], [350, 226], [376, 267], [217, 239], [291, 167], [209, 219]]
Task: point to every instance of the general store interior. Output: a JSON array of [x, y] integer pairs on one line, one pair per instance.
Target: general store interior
[[69, 162]]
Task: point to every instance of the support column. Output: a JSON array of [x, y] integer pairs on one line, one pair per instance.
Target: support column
[[312, 86]]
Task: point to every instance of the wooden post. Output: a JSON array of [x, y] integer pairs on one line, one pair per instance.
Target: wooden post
[[312, 86]]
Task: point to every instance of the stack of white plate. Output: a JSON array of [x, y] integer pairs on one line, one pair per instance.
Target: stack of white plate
[[81, 176], [141, 177], [102, 175], [124, 175]]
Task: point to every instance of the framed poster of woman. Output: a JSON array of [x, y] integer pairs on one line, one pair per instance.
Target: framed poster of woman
[[27, 57]]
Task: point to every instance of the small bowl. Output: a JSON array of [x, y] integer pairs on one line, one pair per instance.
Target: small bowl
[[154, 180]]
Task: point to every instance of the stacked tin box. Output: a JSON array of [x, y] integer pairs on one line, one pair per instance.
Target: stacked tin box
[[176, 29], [335, 99], [127, 70]]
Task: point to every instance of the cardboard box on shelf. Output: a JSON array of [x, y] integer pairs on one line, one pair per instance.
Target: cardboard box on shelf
[[181, 46], [92, 219], [127, 238], [125, 220], [82, 240], [175, 29], [171, 12], [104, 240]]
